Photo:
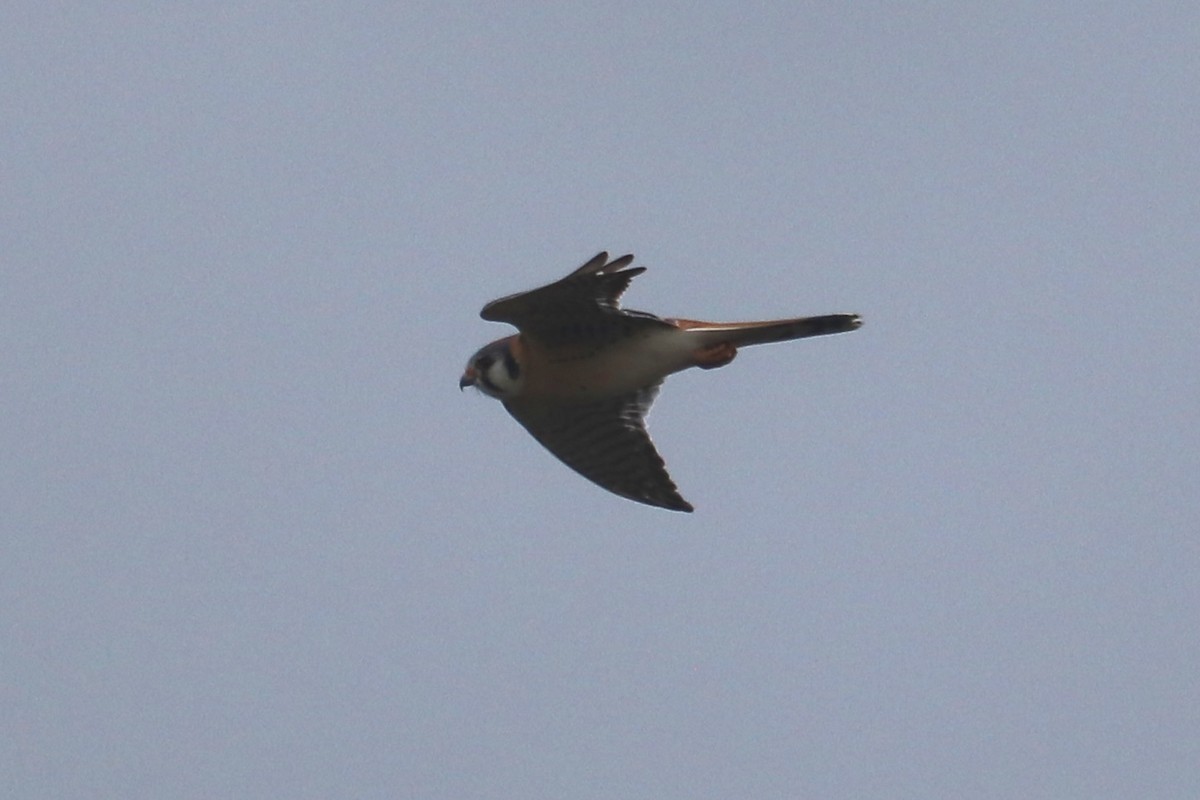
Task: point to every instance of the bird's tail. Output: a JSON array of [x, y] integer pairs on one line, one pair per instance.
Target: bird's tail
[[741, 334]]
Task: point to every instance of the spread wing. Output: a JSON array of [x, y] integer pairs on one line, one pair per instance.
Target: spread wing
[[581, 306], [606, 442]]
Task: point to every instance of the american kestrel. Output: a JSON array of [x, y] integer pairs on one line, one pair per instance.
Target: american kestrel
[[582, 372]]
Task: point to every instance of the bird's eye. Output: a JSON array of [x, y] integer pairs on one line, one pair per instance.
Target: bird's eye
[[483, 362]]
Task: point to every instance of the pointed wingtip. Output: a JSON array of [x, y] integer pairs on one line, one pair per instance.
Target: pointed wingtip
[[667, 497], [594, 264], [599, 264], [671, 502], [619, 263]]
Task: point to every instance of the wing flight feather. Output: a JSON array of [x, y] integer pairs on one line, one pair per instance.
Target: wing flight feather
[[587, 296], [606, 442]]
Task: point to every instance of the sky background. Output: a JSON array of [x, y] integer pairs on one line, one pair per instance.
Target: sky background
[[256, 544]]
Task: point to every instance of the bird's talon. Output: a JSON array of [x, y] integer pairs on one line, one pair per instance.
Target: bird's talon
[[717, 355]]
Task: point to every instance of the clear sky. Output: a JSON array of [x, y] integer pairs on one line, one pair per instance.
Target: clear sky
[[256, 544]]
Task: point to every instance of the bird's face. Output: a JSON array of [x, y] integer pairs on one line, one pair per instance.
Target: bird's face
[[494, 371]]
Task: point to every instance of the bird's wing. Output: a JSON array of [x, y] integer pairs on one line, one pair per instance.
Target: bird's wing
[[577, 309], [606, 442]]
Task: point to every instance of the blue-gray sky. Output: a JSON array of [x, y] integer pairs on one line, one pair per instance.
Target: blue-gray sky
[[256, 544]]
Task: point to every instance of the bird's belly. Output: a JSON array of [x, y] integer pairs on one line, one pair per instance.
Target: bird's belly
[[627, 366]]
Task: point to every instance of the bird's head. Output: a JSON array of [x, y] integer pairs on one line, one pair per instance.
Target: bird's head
[[494, 371]]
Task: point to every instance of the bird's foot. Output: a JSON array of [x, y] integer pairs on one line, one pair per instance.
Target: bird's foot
[[713, 356]]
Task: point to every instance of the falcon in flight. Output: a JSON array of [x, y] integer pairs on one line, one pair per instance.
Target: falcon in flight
[[581, 373]]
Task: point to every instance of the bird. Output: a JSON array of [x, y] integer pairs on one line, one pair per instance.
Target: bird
[[581, 373]]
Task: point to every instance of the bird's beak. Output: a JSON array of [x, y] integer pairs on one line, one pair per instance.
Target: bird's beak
[[468, 379]]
